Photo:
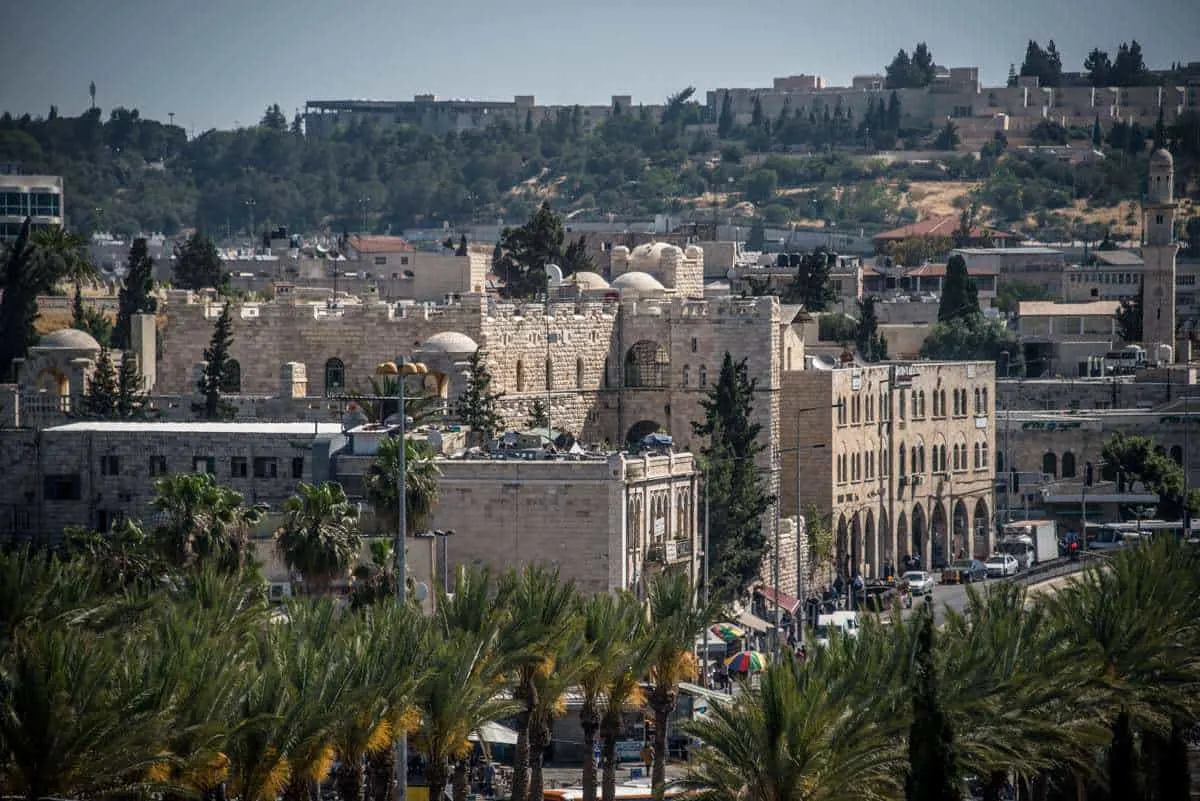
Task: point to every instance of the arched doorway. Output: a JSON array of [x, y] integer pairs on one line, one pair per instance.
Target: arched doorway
[[640, 429], [871, 548], [646, 365], [856, 545], [335, 376], [919, 535], [887, 546], [841, 549], [980, 528], [939, 536], [960, 542], [902, 541]]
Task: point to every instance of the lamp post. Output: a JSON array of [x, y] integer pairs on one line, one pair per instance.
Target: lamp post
[[400, 369]]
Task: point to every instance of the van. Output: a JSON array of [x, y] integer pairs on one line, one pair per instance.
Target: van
[[844, 622]]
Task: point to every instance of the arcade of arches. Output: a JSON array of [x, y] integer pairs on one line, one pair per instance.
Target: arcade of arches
[[865, 543]]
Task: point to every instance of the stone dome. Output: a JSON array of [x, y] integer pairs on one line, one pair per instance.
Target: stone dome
[[451, 343], [1162, 157], [69, 339], [588, 280], [637, 282], [649, 256]]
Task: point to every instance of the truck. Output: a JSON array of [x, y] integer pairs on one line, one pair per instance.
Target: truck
[[1030, 541]]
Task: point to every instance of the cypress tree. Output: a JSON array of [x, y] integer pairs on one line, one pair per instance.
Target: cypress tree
[[217, 369], [78, 316], [960, 298], [871, 345], [135, 297], [198, 265], [932, 763], [476, 406], [726, 120], [24, 278], [462, 246], [537, 415], [1097, 134], [100, 399], [737, 491]]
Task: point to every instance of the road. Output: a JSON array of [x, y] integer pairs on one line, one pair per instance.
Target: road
[[954, 596]]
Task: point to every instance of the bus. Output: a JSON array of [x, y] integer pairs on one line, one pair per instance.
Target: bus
[[1111, 536]]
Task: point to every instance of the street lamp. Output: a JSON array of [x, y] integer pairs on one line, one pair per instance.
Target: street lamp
[[401, 368]]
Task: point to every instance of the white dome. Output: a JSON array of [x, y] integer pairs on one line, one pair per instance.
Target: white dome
[[650, 255], [638, 282], [588, 280], [1163, 157], [449, 342], [69, 339]]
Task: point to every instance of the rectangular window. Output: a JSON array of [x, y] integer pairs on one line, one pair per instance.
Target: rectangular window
[[205, 464], [110, 465], [403, 260], [266, 467], [62, 488], [380, 261], [298, 467], [238, 467], [158, 466]]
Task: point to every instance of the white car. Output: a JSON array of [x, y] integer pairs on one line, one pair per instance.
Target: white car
[[1002, 564], [919, 582]]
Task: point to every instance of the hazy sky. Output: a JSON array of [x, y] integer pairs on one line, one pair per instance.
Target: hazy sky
[[220, 62]]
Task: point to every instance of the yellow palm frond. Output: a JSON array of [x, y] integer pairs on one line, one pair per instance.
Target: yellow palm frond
[[321, 766], [381, 737]]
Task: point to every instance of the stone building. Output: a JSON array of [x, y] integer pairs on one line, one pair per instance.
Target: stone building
[[1158, 255], [907, 451]]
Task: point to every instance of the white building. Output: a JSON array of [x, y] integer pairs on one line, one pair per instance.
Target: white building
[[39, 197]]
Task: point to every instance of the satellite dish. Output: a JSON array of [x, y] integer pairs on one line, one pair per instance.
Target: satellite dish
[[554, 276], [731, 274], [421, 591]]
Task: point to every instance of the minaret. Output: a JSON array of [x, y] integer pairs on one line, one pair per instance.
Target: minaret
[[1158, 254]]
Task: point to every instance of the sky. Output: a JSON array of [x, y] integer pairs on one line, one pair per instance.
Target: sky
[[220, 63]]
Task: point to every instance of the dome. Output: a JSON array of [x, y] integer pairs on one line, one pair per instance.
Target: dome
[[588, 280], [1162, 157], [650, 255], [69, 339], [449, 342], [638, 282]]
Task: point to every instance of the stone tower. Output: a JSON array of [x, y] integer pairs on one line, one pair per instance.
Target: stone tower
[[1158, 253]]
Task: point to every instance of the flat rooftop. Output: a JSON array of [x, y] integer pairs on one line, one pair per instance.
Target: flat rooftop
[[110, 427]]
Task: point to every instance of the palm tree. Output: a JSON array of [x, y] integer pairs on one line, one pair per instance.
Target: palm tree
[[561, 672], [66, 254], [319, 538], [675, 619], [200, 519], [624, 692], [538, 620], [793, 740], [420, 480], [612, 633]]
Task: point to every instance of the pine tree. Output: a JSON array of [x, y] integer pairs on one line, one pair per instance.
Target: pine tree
[[738, 495], [932, 763], [476, 406], [725, 121], [198, 265], [78, 316], [135, 296], [1097, 134], [131, 399], [538, 418], [462, 246], [960, 297], [810, 286], [525, 252], [872, 346], [217, 369], [100, 398]]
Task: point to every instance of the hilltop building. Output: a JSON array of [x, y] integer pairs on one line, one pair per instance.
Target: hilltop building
[[39, 197]]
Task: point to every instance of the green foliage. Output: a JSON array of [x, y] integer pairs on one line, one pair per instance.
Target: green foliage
[[200, 520], [198, 265], [932, 762], [1129, 316], [476, 404], [1010, 294], [837, 327], [525, 251], [90, 320], [960, 297], [871, 345], [135, 296], [218, 369], [761, 186], [382, 483], [538, 415], [100, 398], [737, 493], [1131, 458], [947, 138], [971, 338], [811, 286], [24, 279], [319, 538], [757, 238], [911, 73], [1045, 65]]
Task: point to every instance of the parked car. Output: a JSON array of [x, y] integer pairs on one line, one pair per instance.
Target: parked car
[[919, 582], [964, 571], [1000, 565]]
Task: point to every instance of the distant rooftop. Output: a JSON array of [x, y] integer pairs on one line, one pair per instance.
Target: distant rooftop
[[109, 427], [1024, 250]]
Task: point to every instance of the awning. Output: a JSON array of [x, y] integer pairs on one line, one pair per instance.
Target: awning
[[789, 603], [753, 622], [493, 733]]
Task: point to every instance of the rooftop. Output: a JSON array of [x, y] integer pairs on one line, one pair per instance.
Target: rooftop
[[1118, 258], [1049, 308], [109, 427], [1027, 250], [939, 271], [380, 244]]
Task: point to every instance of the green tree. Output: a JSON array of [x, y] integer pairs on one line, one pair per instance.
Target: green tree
[[1132, 458], [1130, 313], [218, 369], [420, 483], [725, 121], [737, 492], [932, 760], [968, 338], [461, 250], [960, 297], [1010, 294], [476, 406], [100, 398], [136, 295], [539, 416], [90, 320], [198, 265], [1193, 236], [1097, 134], [131, 396], [871, 344], [200, 520], [1099, 68], [65, 253], [811, 286], [24, 279], [947, 137], [761, 186], [319, 538], [757, 239], [527, 250], [273, 119]]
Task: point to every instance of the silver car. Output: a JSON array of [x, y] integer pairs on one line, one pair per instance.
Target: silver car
[[919, 582], [1001, 565]]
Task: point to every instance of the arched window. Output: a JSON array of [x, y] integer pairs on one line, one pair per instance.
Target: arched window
[[687, 374], [1050, 464], [335, 376], [231, 379], [1068, 465], [703, 376], [520, 376], [922, 403], [549, 374], [916, 406], [921, 460], [983, 458], [976, 463], [579, 373], [606, 379], [901, 462]]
